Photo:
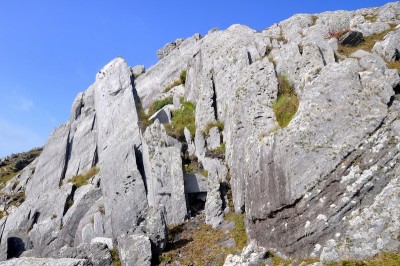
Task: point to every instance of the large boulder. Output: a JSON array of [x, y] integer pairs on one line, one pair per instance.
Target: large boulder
[[164, 177]]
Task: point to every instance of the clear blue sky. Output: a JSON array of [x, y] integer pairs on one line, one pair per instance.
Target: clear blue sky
[[51, 50]]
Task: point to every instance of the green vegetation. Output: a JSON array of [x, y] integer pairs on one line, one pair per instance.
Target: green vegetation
[[204, 173], [371, 18], [157, 105], [394, 65], [181, 118], [218, 152], [287, 103], [81, 180], [181, 80], [314, 20], [368, 43], [239, 233], [209, 126], [116, 261], [192, 165], [383, 259], [17, 199], [182, 77], [9, 169], [197, 245]]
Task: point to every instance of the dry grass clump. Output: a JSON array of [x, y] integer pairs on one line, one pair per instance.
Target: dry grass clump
[[287, 103]]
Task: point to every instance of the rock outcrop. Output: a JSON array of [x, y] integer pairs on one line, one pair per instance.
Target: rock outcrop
[[324, 184]]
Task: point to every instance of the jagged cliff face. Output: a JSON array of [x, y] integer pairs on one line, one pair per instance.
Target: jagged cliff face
[[324, 186]]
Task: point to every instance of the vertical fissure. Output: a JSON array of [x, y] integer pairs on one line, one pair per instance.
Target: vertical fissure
[[214, 98]]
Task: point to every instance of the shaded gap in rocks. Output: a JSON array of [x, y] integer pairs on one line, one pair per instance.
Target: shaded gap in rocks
[[68, 152], [396, 92], [322, 56], [214, 99], [2, 228], [70, 200], [196, 202], [93, 123], [142, 117], [95, 157], [35, 219], [249, 58], [224, 190], [140, 165], [15, 247]]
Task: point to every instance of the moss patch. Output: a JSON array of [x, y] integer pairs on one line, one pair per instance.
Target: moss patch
[[239, 233], [116, 261], [287, 103], [81, 180]]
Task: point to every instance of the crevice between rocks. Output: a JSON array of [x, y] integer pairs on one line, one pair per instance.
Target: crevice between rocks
[[140, 166], [214, 98], [68, 150]]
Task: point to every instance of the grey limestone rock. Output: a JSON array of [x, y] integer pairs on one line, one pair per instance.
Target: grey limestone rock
[[163, 115], [214, 138], [118, 137], [252, 254], [156, 228], [164, 178], [138, 70], [28, 261], [97, 254], [389, 48], [214, 209], [134, 250]]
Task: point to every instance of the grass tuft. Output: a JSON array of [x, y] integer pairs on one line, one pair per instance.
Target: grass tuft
[[218, 152], [181, 118], [287, 103], [81, 180], [157, 105], [394, 65], [180, 81], [209, 126]]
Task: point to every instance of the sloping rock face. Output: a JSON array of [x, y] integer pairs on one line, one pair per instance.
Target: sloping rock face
[[326, 185]]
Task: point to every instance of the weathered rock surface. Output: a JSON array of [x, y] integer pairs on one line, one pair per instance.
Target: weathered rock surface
[[45, 262], [164, 177], [324, 186], [134, 250]]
